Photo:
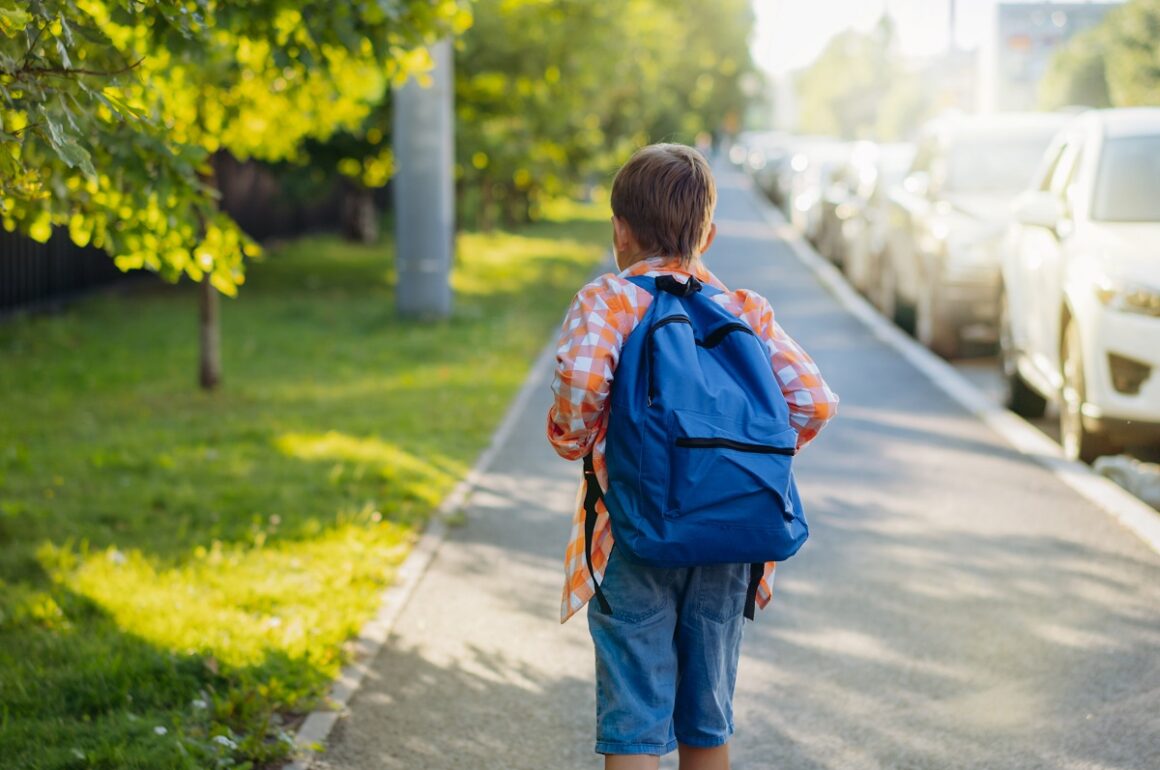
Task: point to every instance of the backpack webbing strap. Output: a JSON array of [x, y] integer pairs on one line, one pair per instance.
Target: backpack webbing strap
[[756, 572], [592, 493]]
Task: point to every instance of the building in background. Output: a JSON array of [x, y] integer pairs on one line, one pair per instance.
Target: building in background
[[1015, 55]]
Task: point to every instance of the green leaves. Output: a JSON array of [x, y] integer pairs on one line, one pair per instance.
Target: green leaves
[[67, 148], [553, 93], [110, 111], [13, 19]]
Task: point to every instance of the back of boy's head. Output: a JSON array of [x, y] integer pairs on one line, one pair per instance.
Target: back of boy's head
[[666, 196]]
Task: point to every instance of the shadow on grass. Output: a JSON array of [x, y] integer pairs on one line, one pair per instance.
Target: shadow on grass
[[82, 692]]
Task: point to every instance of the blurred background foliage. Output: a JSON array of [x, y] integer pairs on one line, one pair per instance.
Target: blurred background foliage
[[111, 109], [1116, 64], [551, 95], [860, 88]]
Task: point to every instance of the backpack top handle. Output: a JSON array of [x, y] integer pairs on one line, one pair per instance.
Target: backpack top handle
[[676, 288]]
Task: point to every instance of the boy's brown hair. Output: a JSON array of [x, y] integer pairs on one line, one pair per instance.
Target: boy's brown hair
[[666, 196]]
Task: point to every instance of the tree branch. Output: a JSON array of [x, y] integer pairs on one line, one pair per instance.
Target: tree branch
[[32, 46], [73, 71]]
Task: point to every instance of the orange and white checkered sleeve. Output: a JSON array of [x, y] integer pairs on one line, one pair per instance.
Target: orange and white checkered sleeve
[[600, 318], [811, 402]]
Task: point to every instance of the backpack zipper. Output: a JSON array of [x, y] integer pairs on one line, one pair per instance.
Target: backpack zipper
[[728, 443], [713, 340], [673, 319]]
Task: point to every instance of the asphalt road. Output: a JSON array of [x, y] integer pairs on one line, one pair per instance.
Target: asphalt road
[[956, 606]]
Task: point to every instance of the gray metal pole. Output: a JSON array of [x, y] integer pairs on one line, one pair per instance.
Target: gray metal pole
[[424, 190], [952, 24]]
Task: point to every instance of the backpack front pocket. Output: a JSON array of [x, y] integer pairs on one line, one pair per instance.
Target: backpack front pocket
[[735, 474]]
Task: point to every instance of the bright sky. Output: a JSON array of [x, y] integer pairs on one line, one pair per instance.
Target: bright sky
[[790, 33]]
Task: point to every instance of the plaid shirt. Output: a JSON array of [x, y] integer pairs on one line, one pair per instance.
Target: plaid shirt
[[599, 321]]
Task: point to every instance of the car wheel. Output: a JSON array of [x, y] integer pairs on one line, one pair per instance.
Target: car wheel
[[886, 296], [855, 263], [1020, 398], [933, 329], [885, 290], [1078, 442]]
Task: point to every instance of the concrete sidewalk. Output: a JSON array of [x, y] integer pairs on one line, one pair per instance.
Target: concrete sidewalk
[[956, 607]]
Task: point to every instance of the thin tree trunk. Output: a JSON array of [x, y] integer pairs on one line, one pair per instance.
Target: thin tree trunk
[[486, 202], [360, 218], [210, 336]]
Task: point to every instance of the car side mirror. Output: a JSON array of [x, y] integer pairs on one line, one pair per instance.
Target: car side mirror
[[1039, 209]]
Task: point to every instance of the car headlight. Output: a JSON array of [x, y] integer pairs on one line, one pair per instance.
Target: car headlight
[[1128, 297]]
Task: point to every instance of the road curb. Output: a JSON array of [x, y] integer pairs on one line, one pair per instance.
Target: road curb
[[1135, 515], [319, 723]]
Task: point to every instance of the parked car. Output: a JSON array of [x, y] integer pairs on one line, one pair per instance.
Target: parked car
[[940, 272], [811, 172], [863, 217], [835, 201], [1080, 308], [768, 156]]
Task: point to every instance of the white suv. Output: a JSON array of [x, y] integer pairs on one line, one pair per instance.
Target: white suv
[[1080, 310]]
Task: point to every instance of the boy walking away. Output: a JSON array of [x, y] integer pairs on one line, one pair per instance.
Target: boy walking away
[[687, 426]]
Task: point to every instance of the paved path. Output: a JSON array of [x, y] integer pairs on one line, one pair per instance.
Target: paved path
[[956, 607]]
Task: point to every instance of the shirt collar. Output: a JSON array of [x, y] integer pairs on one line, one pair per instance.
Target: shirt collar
[[654, 266]]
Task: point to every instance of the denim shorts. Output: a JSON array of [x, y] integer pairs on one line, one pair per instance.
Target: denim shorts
[[666, 659]]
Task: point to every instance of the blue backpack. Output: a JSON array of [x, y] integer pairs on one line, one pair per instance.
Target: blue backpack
[[699, 443]]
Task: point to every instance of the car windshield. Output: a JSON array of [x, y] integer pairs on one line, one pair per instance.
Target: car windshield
[[993, 164], [1128, 183]]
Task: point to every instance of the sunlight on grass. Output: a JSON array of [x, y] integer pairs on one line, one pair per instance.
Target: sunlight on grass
[[501, 264], [416, 478], [242, 603], [566, 209]]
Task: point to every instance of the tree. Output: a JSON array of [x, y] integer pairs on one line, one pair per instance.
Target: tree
[[841, 92], [1114, 64], [111, 109], [1078, 73], [550, 93], [1134, 53]]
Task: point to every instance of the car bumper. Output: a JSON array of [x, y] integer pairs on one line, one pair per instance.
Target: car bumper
[[1123, 374]]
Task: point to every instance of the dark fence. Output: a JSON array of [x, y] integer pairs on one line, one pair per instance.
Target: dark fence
[[277, 202], [267, 202], [38, 275]]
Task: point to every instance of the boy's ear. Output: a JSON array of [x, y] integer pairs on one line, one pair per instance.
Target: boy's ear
[[709, 238], [621, 234], [624, 245]]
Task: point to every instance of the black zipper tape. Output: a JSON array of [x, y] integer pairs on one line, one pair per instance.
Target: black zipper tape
[[713, 340], [728, 443]]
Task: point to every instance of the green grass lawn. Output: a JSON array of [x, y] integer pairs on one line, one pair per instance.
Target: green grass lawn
[[179, 571]]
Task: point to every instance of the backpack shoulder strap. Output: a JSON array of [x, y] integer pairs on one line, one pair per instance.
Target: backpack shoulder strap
[[646, 282], [592, 493], [756, 573]]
